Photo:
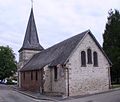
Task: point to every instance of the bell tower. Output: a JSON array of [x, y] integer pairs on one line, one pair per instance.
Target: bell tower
[[31, 43]]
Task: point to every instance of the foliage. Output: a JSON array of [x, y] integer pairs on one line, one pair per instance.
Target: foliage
[[10, 82], [111, 44], [8, 64], [115, 86]]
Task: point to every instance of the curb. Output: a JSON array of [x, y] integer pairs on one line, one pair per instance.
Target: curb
[[68, 98], [32, 96], [81, 96]]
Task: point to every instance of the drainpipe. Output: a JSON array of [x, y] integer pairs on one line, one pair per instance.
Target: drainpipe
[[109, 76], [51, 79], [39, 74], [67, 78]]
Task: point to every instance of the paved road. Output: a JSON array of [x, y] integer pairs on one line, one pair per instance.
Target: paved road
[[8, 95], [113, 96]]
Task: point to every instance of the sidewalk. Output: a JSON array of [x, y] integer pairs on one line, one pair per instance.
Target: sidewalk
[[54, 99], [37, 95]]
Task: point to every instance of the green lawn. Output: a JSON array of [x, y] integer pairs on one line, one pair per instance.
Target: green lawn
[[115, 86]]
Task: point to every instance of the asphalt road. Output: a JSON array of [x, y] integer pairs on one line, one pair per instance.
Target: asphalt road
[[113, 96], [8, 95]]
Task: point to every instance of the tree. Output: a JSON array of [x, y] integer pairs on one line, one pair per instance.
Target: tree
[[111, 44], [8, 64]]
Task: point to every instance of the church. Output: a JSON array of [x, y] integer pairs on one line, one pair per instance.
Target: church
[[75, 66]]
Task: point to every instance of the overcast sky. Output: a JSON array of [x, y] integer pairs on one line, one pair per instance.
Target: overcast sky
[[56, 20]]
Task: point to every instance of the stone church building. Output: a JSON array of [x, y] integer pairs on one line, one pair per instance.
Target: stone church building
[[75, 66]]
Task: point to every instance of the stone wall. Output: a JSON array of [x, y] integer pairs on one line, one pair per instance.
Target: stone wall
[[26, 55], [47, 79], [89, 79], [52, 85], [59, 84]]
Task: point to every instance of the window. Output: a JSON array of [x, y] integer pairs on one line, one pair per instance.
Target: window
[[83, 58], [55, 73], [95, 58], [31, 75], [36, 76], [89, 56], [23, 75]]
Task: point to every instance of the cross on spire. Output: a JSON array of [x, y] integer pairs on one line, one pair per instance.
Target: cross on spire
[[32, 3]]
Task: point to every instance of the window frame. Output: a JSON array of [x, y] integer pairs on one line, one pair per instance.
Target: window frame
[[83, 59], [89, 56], [55, 73], [95, 59]]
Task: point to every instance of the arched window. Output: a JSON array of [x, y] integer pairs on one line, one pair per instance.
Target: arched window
[[95, 59], [83, 58], [89, 56]]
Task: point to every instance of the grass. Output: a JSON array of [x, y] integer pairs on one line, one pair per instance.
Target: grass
[[115, 86]]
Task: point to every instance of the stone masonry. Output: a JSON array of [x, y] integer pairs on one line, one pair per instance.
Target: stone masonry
[[89, 79], [82, 80]]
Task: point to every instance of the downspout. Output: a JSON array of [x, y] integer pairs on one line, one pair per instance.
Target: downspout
[[109, 76], [67, 78], [40, 83], [51, 79], [19, 79]]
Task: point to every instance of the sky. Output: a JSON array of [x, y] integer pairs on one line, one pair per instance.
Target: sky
[[56, 20]]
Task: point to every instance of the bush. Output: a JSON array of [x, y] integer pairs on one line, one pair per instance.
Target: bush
[[9, 82]]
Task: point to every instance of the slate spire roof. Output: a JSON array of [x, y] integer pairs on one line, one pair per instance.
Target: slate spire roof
[[31, 41], [59, 53]]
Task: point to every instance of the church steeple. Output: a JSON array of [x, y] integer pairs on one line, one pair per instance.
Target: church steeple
[[31, 45], [31, 41]]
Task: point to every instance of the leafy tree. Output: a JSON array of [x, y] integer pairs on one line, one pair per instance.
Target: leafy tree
[[111, 43], [8, 64]]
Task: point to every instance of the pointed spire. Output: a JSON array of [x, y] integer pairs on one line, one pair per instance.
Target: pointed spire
[[31, 41]]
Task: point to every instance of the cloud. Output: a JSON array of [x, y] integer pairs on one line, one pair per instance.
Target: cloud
[[56, 20]]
